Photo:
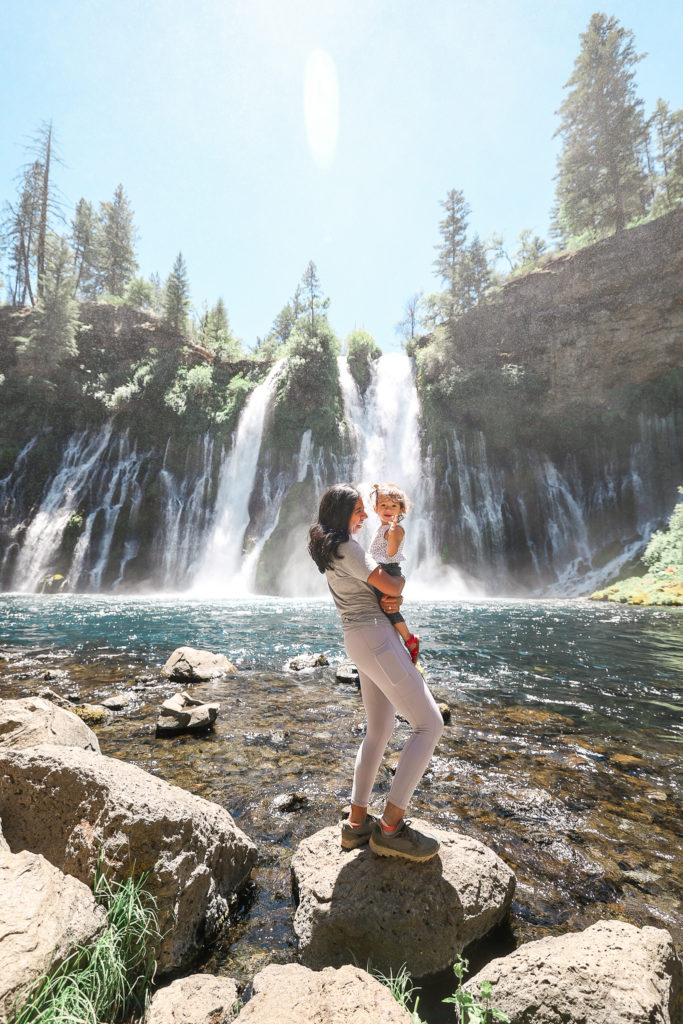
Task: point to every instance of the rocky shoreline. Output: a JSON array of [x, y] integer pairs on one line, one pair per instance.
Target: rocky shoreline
[[53, 771]]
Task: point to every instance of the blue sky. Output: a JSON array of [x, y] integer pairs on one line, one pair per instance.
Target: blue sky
[[199, 108]]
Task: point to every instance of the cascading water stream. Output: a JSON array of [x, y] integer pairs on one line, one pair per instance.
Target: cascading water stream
[[224, 569], [384, 427], [69, 484]]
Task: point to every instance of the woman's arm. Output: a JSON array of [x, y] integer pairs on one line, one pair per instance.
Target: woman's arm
[[392, 585]]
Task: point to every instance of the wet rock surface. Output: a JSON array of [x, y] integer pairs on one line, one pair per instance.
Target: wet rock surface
[[354, 907], [611, 973], [182, 713], [188, 665], [305, 661]]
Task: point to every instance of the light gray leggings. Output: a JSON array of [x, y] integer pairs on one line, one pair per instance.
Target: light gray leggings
[[389, 682]]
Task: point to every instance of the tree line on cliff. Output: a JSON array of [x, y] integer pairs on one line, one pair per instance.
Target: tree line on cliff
[[616, 168]]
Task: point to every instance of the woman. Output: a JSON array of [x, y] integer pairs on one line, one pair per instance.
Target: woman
[[389, 681]]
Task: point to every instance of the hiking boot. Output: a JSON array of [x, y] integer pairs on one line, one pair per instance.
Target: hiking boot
[[352, 837], [404, 842]]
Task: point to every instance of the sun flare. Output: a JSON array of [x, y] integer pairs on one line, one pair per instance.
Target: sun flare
[[321, 105]]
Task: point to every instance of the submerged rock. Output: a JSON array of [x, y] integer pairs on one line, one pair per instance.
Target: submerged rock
[[188, 665], [292, 994], [611, 973], [181, 713], [290, 802], [197, 999], [354, 906], [347, 673], [92, 714], [74, 806], [33, 720], [304, 661], [44, 916], [118, 702]]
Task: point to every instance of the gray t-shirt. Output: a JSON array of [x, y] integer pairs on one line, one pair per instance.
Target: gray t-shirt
[[347, 580]]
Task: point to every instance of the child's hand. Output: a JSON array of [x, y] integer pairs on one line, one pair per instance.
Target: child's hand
[[394, 523]]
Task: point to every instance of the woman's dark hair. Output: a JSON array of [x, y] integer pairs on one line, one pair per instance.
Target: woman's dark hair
[[332, 529]]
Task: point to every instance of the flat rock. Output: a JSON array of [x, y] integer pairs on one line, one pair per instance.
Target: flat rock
[[354, 906], [44, 916], [118, 702], [197, 999], [188, 665], [611, 973], [292, 994], [181, 713], [29, 721], [71, 804]]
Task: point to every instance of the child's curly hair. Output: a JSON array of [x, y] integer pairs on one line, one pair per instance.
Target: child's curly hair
[[394, 493]]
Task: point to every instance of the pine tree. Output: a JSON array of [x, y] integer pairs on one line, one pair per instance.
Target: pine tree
[[28, 223], [20, 231], [53, 321], [531, 248], [474, 275], [215, 333], [85, 249], [116, 241], [310, 296], [177, 297], [45, 200], [601, 175], [451, 249], [666, 128]]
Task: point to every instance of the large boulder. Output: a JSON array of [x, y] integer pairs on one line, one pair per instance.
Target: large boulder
[[44, 916], [355, 907], [71, 805], [197, 999], [29, 721], [611, 973], [292, 994], [187, 665]]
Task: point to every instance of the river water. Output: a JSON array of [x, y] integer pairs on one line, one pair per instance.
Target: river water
[[563, 752]]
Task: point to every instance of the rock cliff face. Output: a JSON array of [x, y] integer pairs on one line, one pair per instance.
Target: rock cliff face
[[553, 413], [591, 324]]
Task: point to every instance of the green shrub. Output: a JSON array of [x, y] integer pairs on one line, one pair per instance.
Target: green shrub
[[361, 349], [665, 549]]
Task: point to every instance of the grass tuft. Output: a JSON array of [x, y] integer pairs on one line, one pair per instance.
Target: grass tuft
[[108, 981]]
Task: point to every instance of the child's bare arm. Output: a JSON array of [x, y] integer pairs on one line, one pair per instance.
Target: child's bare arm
[[395, 535]]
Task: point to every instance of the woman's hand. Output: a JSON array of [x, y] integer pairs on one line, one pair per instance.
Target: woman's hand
[[390, 604]]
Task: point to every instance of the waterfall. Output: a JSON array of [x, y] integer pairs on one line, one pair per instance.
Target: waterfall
[[117, 487], [66, 491], [224, 568], [385, 432], [186, 507], [97, 478]]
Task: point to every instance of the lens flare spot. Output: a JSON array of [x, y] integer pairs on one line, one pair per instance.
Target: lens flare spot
[[321, 106]]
